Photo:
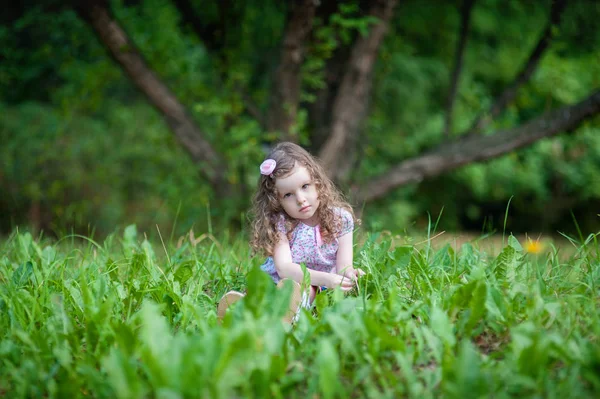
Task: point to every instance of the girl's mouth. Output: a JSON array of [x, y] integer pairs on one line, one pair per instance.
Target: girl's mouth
[[305, 208]]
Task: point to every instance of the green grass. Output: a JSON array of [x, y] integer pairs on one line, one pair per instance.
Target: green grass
[[123, 319]]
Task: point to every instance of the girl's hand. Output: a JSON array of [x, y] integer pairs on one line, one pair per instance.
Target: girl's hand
[[359, 272], [345, 283], [354, 274]]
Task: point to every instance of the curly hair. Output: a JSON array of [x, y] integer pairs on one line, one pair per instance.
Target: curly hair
[[267, 209]]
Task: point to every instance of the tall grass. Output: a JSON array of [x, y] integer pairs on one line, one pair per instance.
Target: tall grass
[[127, 318]]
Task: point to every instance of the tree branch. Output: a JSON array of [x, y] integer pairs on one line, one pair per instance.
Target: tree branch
[[286, 86], [465, 20], [319, 110], [469, 149], [530, 66], [351, 101], [112, 36]]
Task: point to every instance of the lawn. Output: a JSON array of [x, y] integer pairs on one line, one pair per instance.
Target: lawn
[[128, 317]]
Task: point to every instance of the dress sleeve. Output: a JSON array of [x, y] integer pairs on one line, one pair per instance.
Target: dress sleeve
[[347, 222]]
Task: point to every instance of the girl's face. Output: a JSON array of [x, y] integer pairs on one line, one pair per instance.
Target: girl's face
[[298, 195]]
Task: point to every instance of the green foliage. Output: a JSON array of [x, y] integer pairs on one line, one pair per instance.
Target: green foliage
[[408, 113], [128, 317], [545, 179], [72, 170], [337, 32], [82, 150]]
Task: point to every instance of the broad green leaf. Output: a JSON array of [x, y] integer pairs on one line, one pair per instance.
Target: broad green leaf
[[514, 243], [122, 374], [441, 326], [184, 272], [22, 275], [130, 238], [477, 306], [328, 368]]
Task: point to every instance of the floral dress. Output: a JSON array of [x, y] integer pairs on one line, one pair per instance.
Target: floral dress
[[307, 246]]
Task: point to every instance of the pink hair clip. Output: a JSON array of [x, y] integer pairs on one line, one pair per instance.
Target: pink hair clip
[[267, 167]]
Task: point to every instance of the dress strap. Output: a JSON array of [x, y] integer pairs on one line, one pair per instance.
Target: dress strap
[[318, 235]]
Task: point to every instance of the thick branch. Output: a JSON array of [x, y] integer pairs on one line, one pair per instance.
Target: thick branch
[[465, 20], [110, 34], [530, 66], [319, 110], [351, 102], [286, 86], [472, 148]]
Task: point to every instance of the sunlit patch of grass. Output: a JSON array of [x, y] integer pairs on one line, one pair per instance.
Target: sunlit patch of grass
[[489, 244], [438, 315]]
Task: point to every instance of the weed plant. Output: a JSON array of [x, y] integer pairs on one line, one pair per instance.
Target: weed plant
[[128, 318]]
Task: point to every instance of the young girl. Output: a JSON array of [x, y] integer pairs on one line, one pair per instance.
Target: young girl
[[300, 217]]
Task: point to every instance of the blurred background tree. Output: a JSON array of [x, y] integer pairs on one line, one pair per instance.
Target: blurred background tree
[[159, 111]]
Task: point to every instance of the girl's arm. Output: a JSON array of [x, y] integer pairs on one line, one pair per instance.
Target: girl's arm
[[343, 264], [286, 268]]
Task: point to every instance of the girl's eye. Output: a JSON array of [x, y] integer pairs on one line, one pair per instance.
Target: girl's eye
[[305, 186], [287, 195]]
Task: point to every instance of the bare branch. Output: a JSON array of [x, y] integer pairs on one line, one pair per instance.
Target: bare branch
[[475, 148], [286, 86], [112, 36], [530, 66], [465, 20], [352, 98]]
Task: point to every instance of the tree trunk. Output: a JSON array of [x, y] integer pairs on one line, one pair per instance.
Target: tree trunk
[[350, 105], [475, 148], [112, 36], [286, 90], [319, 111]]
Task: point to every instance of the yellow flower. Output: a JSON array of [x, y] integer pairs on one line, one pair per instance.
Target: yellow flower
[[533, 247]]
